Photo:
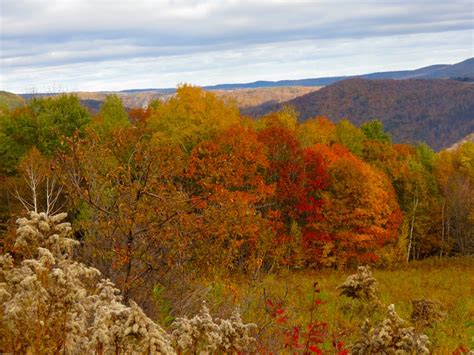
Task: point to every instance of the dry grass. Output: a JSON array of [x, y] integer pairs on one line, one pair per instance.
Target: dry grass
[[448, 282]]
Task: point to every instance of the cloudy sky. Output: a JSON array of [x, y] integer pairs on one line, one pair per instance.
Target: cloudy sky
[[90, 45]]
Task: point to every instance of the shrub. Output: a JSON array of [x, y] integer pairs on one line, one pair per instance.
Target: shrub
[[50, 303], [425, 313], [390, 337], [361, 285], [201, 334]]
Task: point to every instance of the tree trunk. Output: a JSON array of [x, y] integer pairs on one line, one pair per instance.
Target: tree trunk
[[412, 224]]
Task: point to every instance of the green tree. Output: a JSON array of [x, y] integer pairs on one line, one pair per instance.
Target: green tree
[[112, 115], [419, 198], [374, 130], [350, 136], [41, 124]]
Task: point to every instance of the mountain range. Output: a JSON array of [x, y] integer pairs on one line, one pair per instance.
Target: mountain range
[[462, 71]]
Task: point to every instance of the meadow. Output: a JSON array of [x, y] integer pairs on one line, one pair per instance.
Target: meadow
[[447, 282]]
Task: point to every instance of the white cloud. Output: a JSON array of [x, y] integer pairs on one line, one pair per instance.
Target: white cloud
[[99, 45]]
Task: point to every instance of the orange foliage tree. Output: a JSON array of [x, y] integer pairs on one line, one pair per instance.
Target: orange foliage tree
[[359, 208], [228, 175], [131, 209]]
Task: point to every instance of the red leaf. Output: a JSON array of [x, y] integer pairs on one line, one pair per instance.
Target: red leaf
[[315, 349]]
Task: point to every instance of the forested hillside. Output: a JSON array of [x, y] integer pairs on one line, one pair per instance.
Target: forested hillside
[[437, 112], [188, 201], [245, 98]]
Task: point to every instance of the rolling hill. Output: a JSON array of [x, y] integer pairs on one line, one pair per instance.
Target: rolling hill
[[9, 100], [438, 112]]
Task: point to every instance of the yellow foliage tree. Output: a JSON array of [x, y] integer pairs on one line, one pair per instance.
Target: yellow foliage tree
[[193, 115]]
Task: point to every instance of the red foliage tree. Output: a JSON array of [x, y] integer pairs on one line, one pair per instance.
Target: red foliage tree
[[360, 213], [300, 176]]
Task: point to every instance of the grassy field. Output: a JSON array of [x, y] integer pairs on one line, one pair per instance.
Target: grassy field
[[449, 282]]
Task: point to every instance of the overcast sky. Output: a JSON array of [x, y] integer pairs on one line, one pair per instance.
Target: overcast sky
[[90, 45]]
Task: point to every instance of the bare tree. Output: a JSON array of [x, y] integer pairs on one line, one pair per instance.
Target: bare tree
[[43, 190]]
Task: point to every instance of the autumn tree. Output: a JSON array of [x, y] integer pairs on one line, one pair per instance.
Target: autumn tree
[[285, 169], [350, 136], [191, 116], [454, 171], [112, 115], [286, 172], [229, 177], [299, 177], [317, 130], [359, 209], [41, 124], [310, 201], [287, 118], [51, 303], [419, 199], [139, 115], [131, 209]]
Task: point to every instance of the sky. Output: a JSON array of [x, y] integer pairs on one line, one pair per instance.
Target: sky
[[94, 45]]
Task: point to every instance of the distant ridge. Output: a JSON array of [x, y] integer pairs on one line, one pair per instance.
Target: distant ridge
[[438, 112], [461, 71]]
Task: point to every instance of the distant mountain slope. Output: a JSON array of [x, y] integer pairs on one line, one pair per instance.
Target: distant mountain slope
[[280, 83], [245, 98], [464, 69], [9, 100], [438, 112], [92, 105]]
